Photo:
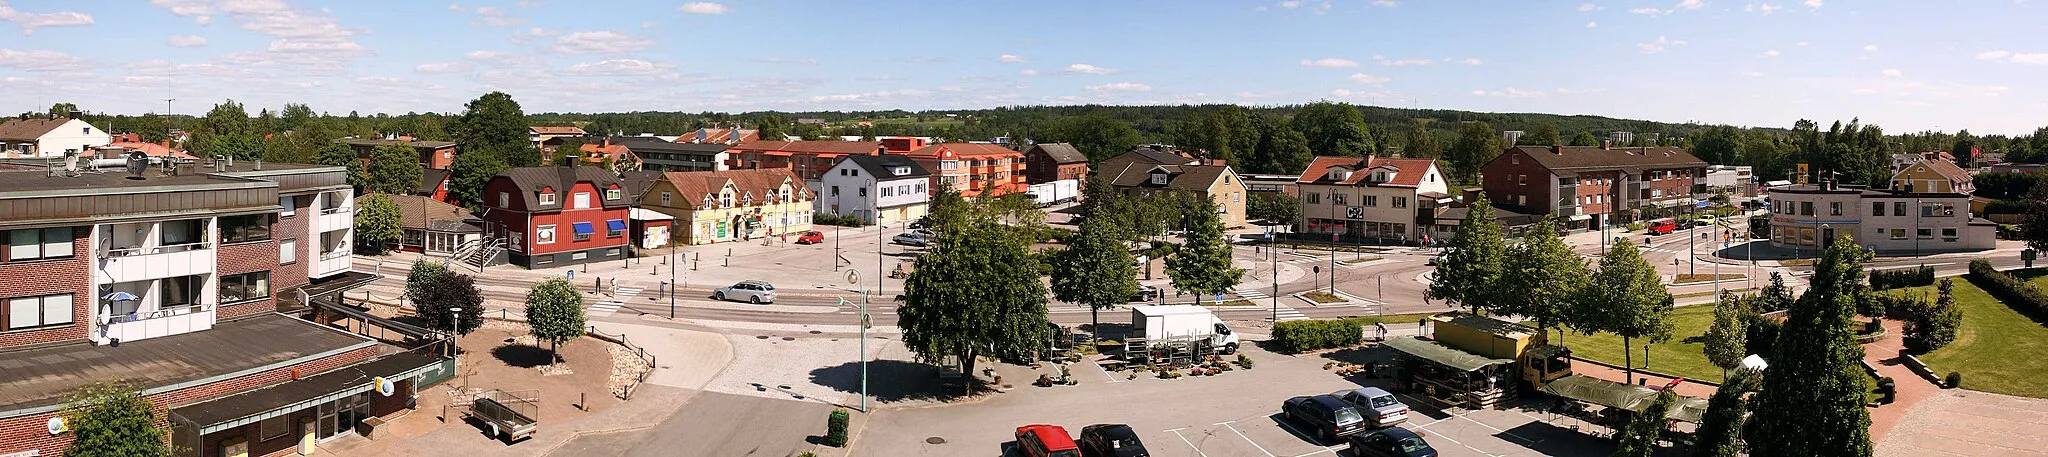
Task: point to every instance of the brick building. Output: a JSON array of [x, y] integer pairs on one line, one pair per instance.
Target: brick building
[[1589, 186], [557, 216], [974, 169], [433, 154], [1048, 162]]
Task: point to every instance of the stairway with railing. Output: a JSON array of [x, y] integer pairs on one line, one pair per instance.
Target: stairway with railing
[[479, 253]]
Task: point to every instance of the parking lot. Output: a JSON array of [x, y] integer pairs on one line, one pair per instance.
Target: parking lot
[[1232, 414]]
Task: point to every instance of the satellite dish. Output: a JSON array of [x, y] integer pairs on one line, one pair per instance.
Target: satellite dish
[[57, 426], [384, 386]]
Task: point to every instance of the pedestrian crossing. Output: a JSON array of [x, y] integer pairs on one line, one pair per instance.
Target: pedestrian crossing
[[1289, 314], [1250, 294], [607, 307]]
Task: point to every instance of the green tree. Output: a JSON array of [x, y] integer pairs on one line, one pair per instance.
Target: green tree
[[554, 313], [1545, 135], [1282, 150], [420, 277], [1423, 142], [1275, 208], [2034, 225], [295, 116], [1225, 132], [1471, 273], [1811, 403], [1202, 263], [1639, 437], [1719, 145], [113, 419], [977, 291], [1633, 298], [493, 124], [1478, 142], [1776, 296], [377, 223], [393, 170], [62, 109], [771, 127], [1096, 134], [1720, 430], [1095, 269], [1724, 339], [1584, 140], [470, 172], [444, 293], [341, 155], [1545, 277], [1334, 129], [1931, 326]]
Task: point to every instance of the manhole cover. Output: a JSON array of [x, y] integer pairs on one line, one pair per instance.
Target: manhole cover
[[789, 338], [760, 337], [782, 386], [814, 332], [935, 440]]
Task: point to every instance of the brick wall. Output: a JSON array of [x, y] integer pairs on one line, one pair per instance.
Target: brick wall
[[72, 275], [30, 433], [257, 256]]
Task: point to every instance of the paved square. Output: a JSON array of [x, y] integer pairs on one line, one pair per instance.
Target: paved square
[[1961, 422]]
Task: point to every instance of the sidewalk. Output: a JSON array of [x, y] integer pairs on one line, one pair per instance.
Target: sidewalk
[[1912, 389]]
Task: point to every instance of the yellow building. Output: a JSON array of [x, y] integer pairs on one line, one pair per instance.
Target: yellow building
[[1932, 175], [731, 205]]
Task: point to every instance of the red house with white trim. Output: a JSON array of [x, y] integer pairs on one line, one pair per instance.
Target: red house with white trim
[[557, 216]]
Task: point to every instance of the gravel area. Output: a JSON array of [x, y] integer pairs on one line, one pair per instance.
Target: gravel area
[[627, 367]]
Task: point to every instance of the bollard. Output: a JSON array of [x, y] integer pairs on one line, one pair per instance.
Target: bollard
[[583, 401], [728, 252], [727, 262], [656, 270], [693, 265]]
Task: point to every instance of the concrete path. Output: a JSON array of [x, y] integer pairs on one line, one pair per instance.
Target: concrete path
[[687, 359], [1884, 354]]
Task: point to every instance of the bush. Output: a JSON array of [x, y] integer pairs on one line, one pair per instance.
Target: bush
[[1308, 335], [1953, 380], [1901, 277], [834, 219], [835, 428], [2018, 294], [1634, 226]]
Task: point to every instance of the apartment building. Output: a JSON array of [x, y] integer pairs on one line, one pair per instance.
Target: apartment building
[[1155, 168], [1811, 216], [884, 189], [433, 154], [731, 205], [1048, 162], [1591, 186], [1370, 197], [974, 169]]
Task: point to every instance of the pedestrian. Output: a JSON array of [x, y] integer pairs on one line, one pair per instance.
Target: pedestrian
[[1382, 326]]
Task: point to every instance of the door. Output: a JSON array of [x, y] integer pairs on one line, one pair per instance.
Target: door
[[308, 438], [1827, 237]]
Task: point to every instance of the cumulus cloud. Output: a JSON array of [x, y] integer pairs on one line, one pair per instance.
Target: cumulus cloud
[[2030, 59], [442, 67], [1089, 69], [1290, 4], [1892, 73], [310, 39], [1771, 53], [495, 17], [1510, 93], [1870, 48], [1010, 58], [1363, 78], [1815, 4], [1383, 60], [1329, 62], [1752, 74], [1765, 8], [1472, 61], [704, 8], [615, 67], [41, 61], [1028, 72], [1588, 7], [1659, 44], [1121, 87], [1592, 24], [29, 22], [1647, 11], [1690, 5], [1992, 55], [1385, 3], [187, 41], [600, 42]]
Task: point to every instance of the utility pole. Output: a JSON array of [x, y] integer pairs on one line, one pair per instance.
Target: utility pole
[[1273, 252]]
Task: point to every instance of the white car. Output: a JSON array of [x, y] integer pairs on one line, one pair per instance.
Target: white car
[[756, 292]]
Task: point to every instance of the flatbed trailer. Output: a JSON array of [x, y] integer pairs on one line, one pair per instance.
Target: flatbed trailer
[[507, 416]]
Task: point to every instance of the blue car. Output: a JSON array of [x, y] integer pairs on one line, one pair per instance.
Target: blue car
[[1392, 442]]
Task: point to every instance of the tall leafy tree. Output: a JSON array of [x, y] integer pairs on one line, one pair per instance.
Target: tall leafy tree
[[1478, 142], [1639, 437], [492, 123], [295, 116], [1545, 276], [554, 313], [771, 127], [113, 419], [1422, 142], [2034, 225], [1633, 298], [1097, 134], [1226, 132], [1095, 269], [61, 109], [1584, 139], [420, 277], [1282, 150], [1724, 339], [1274, 208], [341, 155], [1202, 264], [1719, 145], [377, 223], [1720, 430], [1473, 266], [1812, 398], [394, 170], [444, 293], [1545, 135], [1334, 129], [976, 294], [470, 172]]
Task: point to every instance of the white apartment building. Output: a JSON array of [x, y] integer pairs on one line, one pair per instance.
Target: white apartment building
[[52, 136], [1810, 217], [1368, 197], [885, 189]]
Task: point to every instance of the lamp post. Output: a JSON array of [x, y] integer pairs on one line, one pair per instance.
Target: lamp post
[[853, 276], [455, 330]]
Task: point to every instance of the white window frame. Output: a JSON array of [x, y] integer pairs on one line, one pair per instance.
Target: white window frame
[[544, 234], [290, 209], [547, 198], [580, 200], [613, 194], [288, 251], [42, 246], [48, 308]]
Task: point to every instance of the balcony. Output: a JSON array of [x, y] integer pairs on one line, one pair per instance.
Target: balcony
[[154, 250], [157, 323]]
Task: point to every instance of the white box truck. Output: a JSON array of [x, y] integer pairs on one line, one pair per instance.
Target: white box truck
[[1056, 192], [1158, 323]]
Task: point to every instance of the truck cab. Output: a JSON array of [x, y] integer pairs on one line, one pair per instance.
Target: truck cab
[[1543, 363]]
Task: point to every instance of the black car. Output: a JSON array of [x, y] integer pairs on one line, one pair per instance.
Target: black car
[[1327, 416], [1111, 440], [1393, 442]]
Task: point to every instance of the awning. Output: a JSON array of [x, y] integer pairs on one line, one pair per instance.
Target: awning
[[583, 228], [1441, 354], [615, 225], [1617, 395], [280, 399]]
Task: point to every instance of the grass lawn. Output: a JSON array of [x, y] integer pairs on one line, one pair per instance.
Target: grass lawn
[[1997, 349], [1675, 357], [1682, 279], [1392, 319], [1238, 302], [1324, 297]]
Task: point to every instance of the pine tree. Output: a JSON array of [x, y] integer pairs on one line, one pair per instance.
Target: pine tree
[[1812, 398], [1471, 271], [1202, 265], [1720, 431], [1633, 298], [1639, 437], [1546, 276]]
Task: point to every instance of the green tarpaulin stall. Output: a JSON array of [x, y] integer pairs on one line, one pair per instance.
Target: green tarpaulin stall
[[1624, 396], [1441, 354]]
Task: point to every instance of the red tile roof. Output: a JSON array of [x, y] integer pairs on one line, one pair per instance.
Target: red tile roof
[[151, 149], [600, 153], [1407, 172], [556, 130]]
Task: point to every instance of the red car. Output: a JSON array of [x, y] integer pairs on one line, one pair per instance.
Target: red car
[[811, 237], [1041, 440]]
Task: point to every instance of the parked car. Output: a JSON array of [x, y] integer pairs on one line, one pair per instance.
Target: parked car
[[811, 237], [1381, 409], [1327, 416], [1146, 293], [1662, 227], [1436, 260], [1111, 440], [1393, 442], [756, 292], [921, 222], [911, 239], [1041, 440]]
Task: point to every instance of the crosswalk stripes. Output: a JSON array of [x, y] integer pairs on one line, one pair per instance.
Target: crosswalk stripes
[[602, 308], [1250, 294], [1289, 314], [626, 292]]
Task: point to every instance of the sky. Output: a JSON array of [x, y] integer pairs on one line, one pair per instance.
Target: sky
[[1904, 65]]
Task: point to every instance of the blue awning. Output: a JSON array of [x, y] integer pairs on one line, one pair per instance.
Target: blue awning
[[615, 224], [584, 228]]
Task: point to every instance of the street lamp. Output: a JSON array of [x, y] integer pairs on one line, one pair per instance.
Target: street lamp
[[853, 276], [455, 330]]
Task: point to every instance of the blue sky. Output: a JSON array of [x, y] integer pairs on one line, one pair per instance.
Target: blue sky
[[1905, 65]]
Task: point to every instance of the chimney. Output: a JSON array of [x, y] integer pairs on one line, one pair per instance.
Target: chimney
[[1555, 149], [76, 114], [1606, 144], [259, 164]]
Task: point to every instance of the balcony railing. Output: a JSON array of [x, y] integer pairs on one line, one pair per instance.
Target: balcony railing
[[334, 254], [171, 311], [335, 210], [146, 250]]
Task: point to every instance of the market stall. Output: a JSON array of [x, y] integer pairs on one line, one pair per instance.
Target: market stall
[[1449, 376]]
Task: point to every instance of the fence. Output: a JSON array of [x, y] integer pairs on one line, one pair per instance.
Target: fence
[[637, 351]]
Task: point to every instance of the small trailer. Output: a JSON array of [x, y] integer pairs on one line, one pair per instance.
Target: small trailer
[[1056, 192], [508, 416]]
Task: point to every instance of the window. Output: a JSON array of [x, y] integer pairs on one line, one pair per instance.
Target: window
[[544, 234], [614, 228], [33, 312], [1339, 199], [290, 208], [1806, 208], [1315, 199], [504, 199], [31, 244], [287, 252], [1948, 234], [241, 229], [245, 287], [1521, 180], [613, 194], [581, 200], [1877, 208], [664, 198], [1400, 202], [725, 200], [863, 191], [1515, 159], [613, 252], [1926, 233], [543, 259], [274, 428], [579, 255], [547, 198], [1369, 200], [920, 188], [1834, 208], [1159, 179], [1898, 234], [887, 191], [835, 191]]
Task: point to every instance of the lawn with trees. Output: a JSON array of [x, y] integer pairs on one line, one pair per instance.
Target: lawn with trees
[[1681, 355], [1997, 348]]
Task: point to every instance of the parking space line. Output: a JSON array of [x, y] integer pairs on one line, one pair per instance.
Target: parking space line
[[1191, 444], [1106, 373], [1290, 428], [1247, 439], [1447, 437], [1490, 427]]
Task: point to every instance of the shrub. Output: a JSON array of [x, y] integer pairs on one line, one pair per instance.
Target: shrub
[[1901, 277], [835, 428], [1244, 360], [1634, 226], [1953, 380], [2018, 294], [834, 219], [1308, 335]]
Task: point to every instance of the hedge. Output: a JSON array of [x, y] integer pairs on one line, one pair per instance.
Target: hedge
[[1308, 335], [1901, 277], [2014, 292], [835, 428], [834, 219]]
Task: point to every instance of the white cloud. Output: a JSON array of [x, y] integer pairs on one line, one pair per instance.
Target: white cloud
[[1992, 55], [41, 61], [1511, 93], [1472, 61], [1752, 74], [454, 8], [1592, 24], [1802, 43], [800, 62], [1089, 69], [310, 39], [1690, 4], [1329, 62], [1659, 44], [495, 17], [1348, 93], [2030, 59], [29, 22], [382, 81], [1028, 72], [600, 42], [615, 67], [1771, 53], [1385, 3], [1813, 4], [1892, 73], [1363, 78], [1588, 7], [442, 67], [1290, 4], [1647, 11], [704, 8], [1402, 62], [1010, 58], [187, 41], [1121, 87], [1766, 8], [1870, 48]]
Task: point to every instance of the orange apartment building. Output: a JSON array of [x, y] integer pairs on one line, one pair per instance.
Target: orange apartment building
[[811, 159], [974, 169]]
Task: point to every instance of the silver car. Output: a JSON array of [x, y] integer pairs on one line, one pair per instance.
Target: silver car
[[1381, 409], [756, 292]]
